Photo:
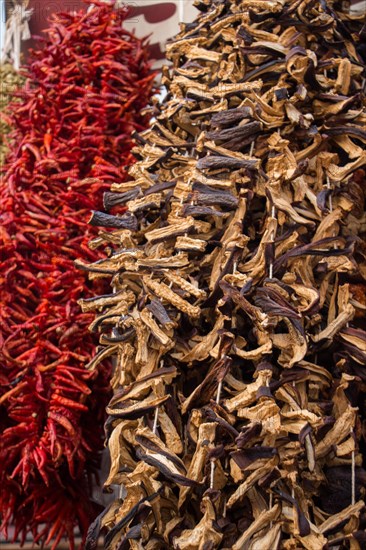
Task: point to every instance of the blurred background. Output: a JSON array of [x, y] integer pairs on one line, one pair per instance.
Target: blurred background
[[160, 20]]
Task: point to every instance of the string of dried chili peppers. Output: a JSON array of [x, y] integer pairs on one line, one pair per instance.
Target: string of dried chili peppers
[[85, 93]]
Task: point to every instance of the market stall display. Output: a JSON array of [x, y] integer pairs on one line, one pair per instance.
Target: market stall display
[[87, 86], [237, 273]]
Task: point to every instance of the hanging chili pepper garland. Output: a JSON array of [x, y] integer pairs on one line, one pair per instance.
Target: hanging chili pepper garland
[[238, 314], [84, 96]]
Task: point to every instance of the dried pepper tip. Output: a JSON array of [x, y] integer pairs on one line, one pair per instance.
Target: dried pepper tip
[[234, 323], [87, 86]]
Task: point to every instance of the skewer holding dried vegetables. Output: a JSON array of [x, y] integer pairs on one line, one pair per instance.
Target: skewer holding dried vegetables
[[238, 271], [87, 86]]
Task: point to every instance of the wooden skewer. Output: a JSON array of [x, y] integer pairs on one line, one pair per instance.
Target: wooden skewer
[[219, 389], [212, 471], [224, 510], [212, 474], [155, 425], [273, 215], [156, 414], [353, 475], [270, 506], [330, 196]]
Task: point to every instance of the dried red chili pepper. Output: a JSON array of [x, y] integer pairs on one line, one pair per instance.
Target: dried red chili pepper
[[85, 92]]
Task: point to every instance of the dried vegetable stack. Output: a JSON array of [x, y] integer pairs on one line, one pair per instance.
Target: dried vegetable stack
[[238, 277], [86, 89], [10, 82]]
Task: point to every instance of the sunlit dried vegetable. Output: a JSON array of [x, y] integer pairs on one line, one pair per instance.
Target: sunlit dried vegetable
[[238, 278]]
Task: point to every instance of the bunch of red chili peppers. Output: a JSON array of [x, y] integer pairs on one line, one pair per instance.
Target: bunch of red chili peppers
[[85, 92]]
